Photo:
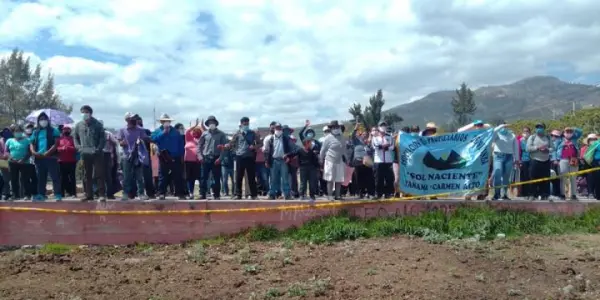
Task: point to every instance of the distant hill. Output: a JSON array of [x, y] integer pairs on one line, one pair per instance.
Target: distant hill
[[541, 97]]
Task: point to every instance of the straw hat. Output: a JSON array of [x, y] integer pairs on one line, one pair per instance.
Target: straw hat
[[431, 125], [165, 117], [592, 136]]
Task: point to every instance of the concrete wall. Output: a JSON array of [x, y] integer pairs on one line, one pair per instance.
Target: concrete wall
[[31, 227]]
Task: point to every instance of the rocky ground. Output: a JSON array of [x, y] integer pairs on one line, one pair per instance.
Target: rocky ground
[[566, 267]]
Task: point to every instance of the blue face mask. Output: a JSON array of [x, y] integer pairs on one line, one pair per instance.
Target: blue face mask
[[539, 130], [503, 131], [244, 127], [310, 135], [18, 135]]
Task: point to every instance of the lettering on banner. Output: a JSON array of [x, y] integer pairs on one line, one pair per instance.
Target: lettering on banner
[[403, 209], [301, 214]]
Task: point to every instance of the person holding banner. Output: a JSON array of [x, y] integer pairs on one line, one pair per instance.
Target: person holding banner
[[477, 125], [383, 146], [506, 151]]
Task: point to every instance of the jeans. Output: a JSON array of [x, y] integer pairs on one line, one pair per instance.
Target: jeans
[[280, 176], [45, 166], [262, 174], [502, 168], [226, 175], [171, 171], [68, 181], [132, 175], [309, 175], [208, 168]]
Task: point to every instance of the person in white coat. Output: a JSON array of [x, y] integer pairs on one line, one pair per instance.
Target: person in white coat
[[333, 158], [383, 146]]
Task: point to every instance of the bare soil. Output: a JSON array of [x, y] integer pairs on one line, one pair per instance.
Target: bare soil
[[565, 267]]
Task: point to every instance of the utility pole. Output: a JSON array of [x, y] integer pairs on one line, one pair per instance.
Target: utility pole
[[573, 108], [154, 115]]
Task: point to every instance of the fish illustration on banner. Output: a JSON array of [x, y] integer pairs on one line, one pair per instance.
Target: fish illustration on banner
[[449, 163]]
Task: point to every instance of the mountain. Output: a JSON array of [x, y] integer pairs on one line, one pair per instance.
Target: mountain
[[454, 161], [540, 97]]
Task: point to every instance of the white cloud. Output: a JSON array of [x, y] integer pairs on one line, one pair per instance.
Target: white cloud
[[324, 55]]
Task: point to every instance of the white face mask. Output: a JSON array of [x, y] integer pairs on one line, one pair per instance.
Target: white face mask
[[212, 126], [336, 131], [182, 131], [278, 132], [383, 129], [44, 123], [28, 131], [166, 124]]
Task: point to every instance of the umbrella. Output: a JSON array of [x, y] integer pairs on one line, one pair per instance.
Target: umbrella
[[57, 117]]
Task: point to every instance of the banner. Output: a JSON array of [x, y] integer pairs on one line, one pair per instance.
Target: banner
[[448, 163]]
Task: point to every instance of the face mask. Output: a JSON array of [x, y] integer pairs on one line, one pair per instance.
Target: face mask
[[503, 131], [43, 123], [28, 131], [18, 135], [182, 131], [166, 124], [212, 126], [525, 134], [85, 116], [373, 133], [414, 133], [309, 135], [539, 130], [278, 132], [382, 129], [336, 131], [67, 133], [244, 128]]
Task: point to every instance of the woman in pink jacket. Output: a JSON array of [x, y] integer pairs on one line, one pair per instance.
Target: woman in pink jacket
[[193, 167]]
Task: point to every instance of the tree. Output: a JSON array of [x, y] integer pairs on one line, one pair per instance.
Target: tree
[[373, 113], [463, 105], [23, 89]]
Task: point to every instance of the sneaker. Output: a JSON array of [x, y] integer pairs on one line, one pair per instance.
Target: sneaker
[[26, 198], [125, 198], [505, 198], [574, 198], [101, 199], [144, 198], [58, 198], [38, 198], [86, 199], [161, 197]]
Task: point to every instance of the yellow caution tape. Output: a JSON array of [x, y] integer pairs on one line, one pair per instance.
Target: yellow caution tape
[[275, 208]]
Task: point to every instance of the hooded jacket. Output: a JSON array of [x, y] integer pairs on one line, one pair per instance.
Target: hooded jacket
[[43, 139]]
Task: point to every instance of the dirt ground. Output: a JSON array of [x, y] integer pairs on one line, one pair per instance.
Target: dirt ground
[[565, 267]]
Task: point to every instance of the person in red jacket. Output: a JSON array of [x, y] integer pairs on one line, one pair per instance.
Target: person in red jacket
[[67, 161]]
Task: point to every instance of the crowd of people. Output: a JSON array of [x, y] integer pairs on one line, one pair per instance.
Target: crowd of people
[[173, 160]]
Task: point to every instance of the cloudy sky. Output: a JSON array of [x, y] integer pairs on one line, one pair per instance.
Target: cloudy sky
[[294, 59]]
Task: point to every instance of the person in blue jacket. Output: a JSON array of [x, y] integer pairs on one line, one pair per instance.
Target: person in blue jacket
[[555, 136], [170, 154], [567, 154]]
